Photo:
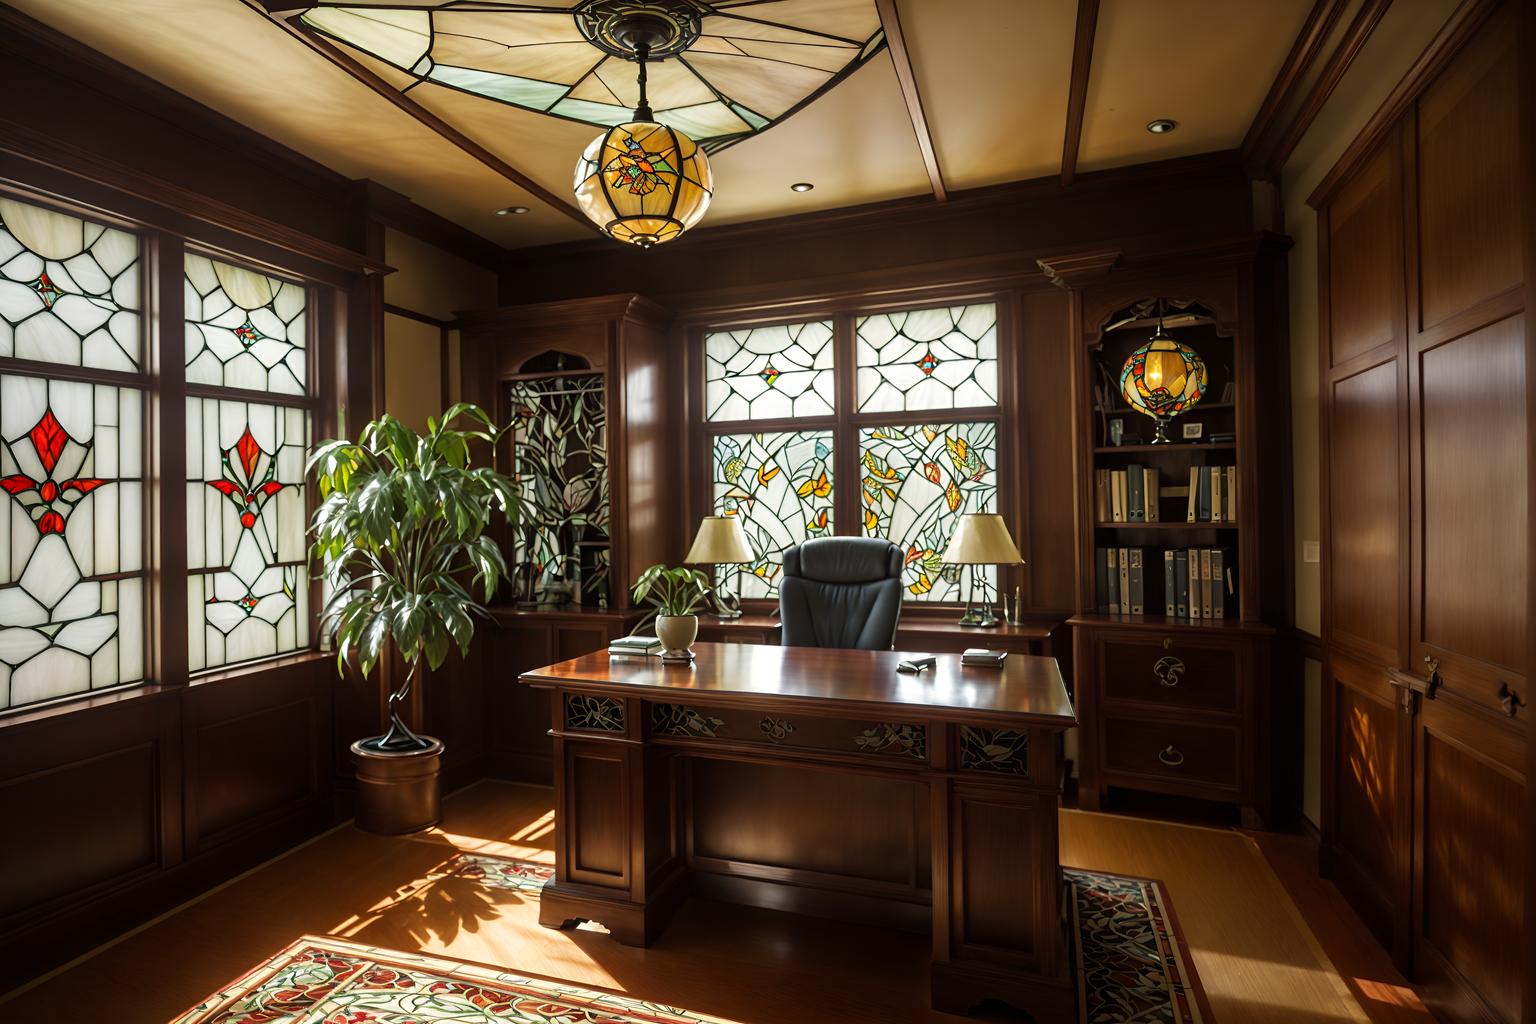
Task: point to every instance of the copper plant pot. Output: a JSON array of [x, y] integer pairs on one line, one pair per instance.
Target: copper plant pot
[[398, 792]]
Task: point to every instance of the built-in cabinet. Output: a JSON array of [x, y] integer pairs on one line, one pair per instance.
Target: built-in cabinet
[[1425, 564]]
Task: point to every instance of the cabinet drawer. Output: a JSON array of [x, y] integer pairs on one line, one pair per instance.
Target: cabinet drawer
[[1172, 750], [1178, 675]]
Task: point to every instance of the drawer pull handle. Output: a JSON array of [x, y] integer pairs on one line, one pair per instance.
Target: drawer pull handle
[[1168, 670], [1170, 757]]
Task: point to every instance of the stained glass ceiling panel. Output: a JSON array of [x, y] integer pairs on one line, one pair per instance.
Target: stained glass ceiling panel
[[754, 62]]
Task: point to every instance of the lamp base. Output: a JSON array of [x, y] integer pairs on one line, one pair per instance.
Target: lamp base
[[981, 618]]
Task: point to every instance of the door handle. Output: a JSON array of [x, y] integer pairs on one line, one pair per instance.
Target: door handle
[[1510, 700], [1170, 757]]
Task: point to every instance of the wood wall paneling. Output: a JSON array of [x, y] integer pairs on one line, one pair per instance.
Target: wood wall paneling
[[1365, 263], [1364, 574]]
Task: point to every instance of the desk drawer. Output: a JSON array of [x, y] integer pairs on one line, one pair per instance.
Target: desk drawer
[[1195, 754], [1178, 674]]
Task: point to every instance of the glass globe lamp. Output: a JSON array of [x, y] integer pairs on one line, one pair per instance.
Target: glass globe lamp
[[1162, 379], [643, 183]]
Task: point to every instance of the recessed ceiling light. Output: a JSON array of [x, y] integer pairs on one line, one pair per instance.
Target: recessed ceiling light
[[511, 209], [801, 186], [1162, 126]]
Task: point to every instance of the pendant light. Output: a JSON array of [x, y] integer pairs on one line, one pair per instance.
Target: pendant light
[[643, 182]]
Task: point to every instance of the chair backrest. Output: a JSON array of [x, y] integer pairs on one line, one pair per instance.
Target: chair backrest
[[841, 592]]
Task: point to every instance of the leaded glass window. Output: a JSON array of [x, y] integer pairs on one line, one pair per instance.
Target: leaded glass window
[[248, 588], [916, 482], [71, 538], [244, 329], [69, 290], [927, 359], [560, 441], [763, 373], [780, 486]]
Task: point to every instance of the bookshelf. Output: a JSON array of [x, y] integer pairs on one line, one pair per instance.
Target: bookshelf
[[1180, 704]]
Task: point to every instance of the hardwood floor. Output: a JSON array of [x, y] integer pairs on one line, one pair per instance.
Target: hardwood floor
[[1255, 955]]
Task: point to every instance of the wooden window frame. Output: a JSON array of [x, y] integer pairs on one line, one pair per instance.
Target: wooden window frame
[[845, 423]]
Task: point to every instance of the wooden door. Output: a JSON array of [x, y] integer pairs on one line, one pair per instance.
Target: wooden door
[[1468, 566]]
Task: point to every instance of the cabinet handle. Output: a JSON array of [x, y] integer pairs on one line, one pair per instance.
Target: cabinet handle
[[1168, 670], [1510, 700], [1170, 757]]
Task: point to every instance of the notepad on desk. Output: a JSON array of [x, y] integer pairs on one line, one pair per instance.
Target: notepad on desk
[[641, 646], [983, 658]]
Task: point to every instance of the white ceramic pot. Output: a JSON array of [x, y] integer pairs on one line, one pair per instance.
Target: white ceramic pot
[[677, 632]]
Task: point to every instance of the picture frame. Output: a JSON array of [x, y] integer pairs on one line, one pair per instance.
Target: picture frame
[[1194, 431]]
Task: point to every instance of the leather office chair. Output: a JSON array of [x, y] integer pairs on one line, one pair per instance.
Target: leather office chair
[[841, 592]]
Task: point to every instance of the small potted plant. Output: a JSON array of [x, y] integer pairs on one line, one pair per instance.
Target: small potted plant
[[400, 532], [677, 595]]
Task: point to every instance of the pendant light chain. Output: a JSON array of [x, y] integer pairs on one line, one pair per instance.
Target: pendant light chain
[[643, 111]]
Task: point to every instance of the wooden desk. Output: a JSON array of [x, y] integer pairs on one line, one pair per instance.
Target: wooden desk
[[1034, 634], [821, 781]]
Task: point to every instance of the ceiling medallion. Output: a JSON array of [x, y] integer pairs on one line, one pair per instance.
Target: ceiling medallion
[[619, 27]]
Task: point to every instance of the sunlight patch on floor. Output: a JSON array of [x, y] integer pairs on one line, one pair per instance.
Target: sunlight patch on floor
[[1285, 986]]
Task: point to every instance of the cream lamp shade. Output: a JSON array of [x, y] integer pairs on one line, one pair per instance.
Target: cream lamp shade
[[982, 539], [720, 541]]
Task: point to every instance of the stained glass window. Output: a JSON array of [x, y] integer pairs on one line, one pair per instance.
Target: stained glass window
[[71, 538], [916, 483], [248, 589], [780, 485], [928, 359], [560, 437], [244, 329], [69, 289], [769, 372]]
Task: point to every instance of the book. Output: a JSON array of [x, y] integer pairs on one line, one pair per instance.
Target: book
[[1218, 585], [1135, 494], [1138, 577], [1205, 583], [1231, 494], [1100, 580], [1194, 492], [1152, 488], [1217, 475], [1181, 584], [1170, 585], [983, 657], [1117, 496], [637, 646], [1123, 561], [1112, 576], [1203, 504]]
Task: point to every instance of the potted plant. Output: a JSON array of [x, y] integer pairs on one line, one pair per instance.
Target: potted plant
[[677, 595], [400, 532]]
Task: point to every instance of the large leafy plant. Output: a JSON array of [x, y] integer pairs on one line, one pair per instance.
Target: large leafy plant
[[400, 532]]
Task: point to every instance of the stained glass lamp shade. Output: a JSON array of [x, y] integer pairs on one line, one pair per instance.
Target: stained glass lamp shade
[[1162, 379], [643, 183]]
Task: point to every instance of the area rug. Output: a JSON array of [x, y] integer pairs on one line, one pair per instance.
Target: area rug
[[1133, 967], [323, 980]]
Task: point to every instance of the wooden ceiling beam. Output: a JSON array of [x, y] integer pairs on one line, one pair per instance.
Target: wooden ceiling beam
[[1343, 55], [896, 42], [1305, 52], [1077, 92], [346, 62]]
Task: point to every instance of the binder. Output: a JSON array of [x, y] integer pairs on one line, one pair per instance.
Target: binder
[[1124, 563], [1153, 487], [1170, 585], [1101, 510], [1112, 578], [1205, 583], [1217, 473], [1100, 580], [1137, 575], [1135, 495], [1218, 585], [1231, 494], [1181, 584], [1203, 507], [1117, 500], [1194, 492]]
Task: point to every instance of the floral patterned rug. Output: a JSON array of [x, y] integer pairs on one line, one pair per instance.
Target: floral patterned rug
[[1133, 968]]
